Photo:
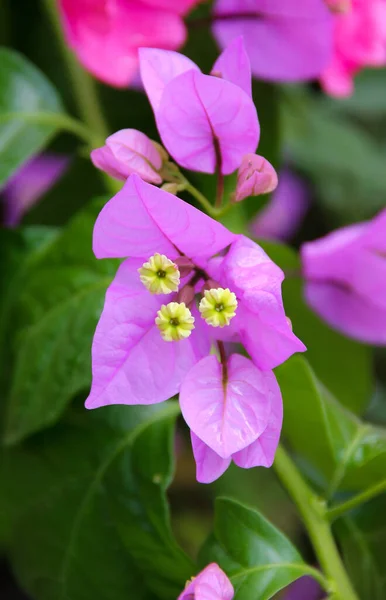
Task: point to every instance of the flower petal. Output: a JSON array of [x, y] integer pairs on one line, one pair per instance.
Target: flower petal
[[286, 41], [209, 465], [158, 68], [227, 411], [234, 65], [213, 581], [198, 111], [261, 452], [131, 363], [142, 219]]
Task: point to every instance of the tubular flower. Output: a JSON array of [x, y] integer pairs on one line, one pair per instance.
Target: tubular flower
[[359, 41], [345, 279], [160, 275], [211, 583], [286, 40], [106, 34], [133, 364], [206, 122]]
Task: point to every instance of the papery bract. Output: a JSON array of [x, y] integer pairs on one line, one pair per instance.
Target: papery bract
[[106, 35], [205, 121], [359, 41], [129, 151], [255, 176], [283, 215], [345, 274], [29, 183], [210, 455], [286, 40], [210, 584]]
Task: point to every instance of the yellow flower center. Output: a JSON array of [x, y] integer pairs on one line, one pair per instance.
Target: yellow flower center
[[175, 321], [218, 307], [160, 275]]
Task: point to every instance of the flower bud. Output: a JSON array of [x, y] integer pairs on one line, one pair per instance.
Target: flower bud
[[126, 152], [255, 176]]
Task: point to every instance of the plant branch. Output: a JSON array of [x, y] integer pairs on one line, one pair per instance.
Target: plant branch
[[314, 515], [371, 492]]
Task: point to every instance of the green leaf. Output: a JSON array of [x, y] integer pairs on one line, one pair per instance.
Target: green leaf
[[362, 538], [350, 454], [53, 312], [259, 559], [24, 90], [344, 366], [89, 512]]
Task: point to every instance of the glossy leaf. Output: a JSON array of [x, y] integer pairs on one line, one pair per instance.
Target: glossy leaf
[[25, 94], [257, 557], [52, 312], [362, 538], [349, 453], [88, 518]]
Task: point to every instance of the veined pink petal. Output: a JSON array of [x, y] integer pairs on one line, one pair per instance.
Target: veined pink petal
[[233, 65], [209, 465], [131, 363], [286, 40], [210, 584], [158, 68], [261, 452], [199, 111], [226, 411], [142, 219]]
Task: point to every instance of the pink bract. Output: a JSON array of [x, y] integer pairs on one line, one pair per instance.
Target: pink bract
[[205, 121], [106, 34], [210, 584], [126, 152], [286, 40], [255, 176], [359, 41], [345, 276]]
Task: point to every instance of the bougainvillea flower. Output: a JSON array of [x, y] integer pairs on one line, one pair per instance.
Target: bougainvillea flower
[[234, 411], [29, 184], [286, 40], [106, 34], [210, 584], [255, 176], [345, 275], [140, 221], [129, 151], [205, 121], [282, 216], [359, 41]]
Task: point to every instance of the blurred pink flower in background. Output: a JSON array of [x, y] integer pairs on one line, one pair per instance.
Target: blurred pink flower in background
[[282, 216], [129, 151], [106, 34], [359, 41], [287, 40], [305, 588], [255, 176], [345, 279], [210, 584], [31, 181]]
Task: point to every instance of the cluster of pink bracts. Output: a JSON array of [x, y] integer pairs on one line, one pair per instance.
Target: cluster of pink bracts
[[287, 40]]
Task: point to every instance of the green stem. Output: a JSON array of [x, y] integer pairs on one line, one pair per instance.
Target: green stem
[[371, 492], [313, 512], [59, 120], [200, 198], [84, 86]]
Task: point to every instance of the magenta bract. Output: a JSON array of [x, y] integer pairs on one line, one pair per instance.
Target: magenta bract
[[255, 176], [210, 584]]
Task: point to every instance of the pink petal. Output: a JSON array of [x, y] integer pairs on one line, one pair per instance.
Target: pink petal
[[181, 7], [195, 111], [131, 363], [158, 68], [234, 65], [142, 219], [129, 151], [209, 465], [229, 414], [287, 40], [261, 452], [106, 35], [211, 580]]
